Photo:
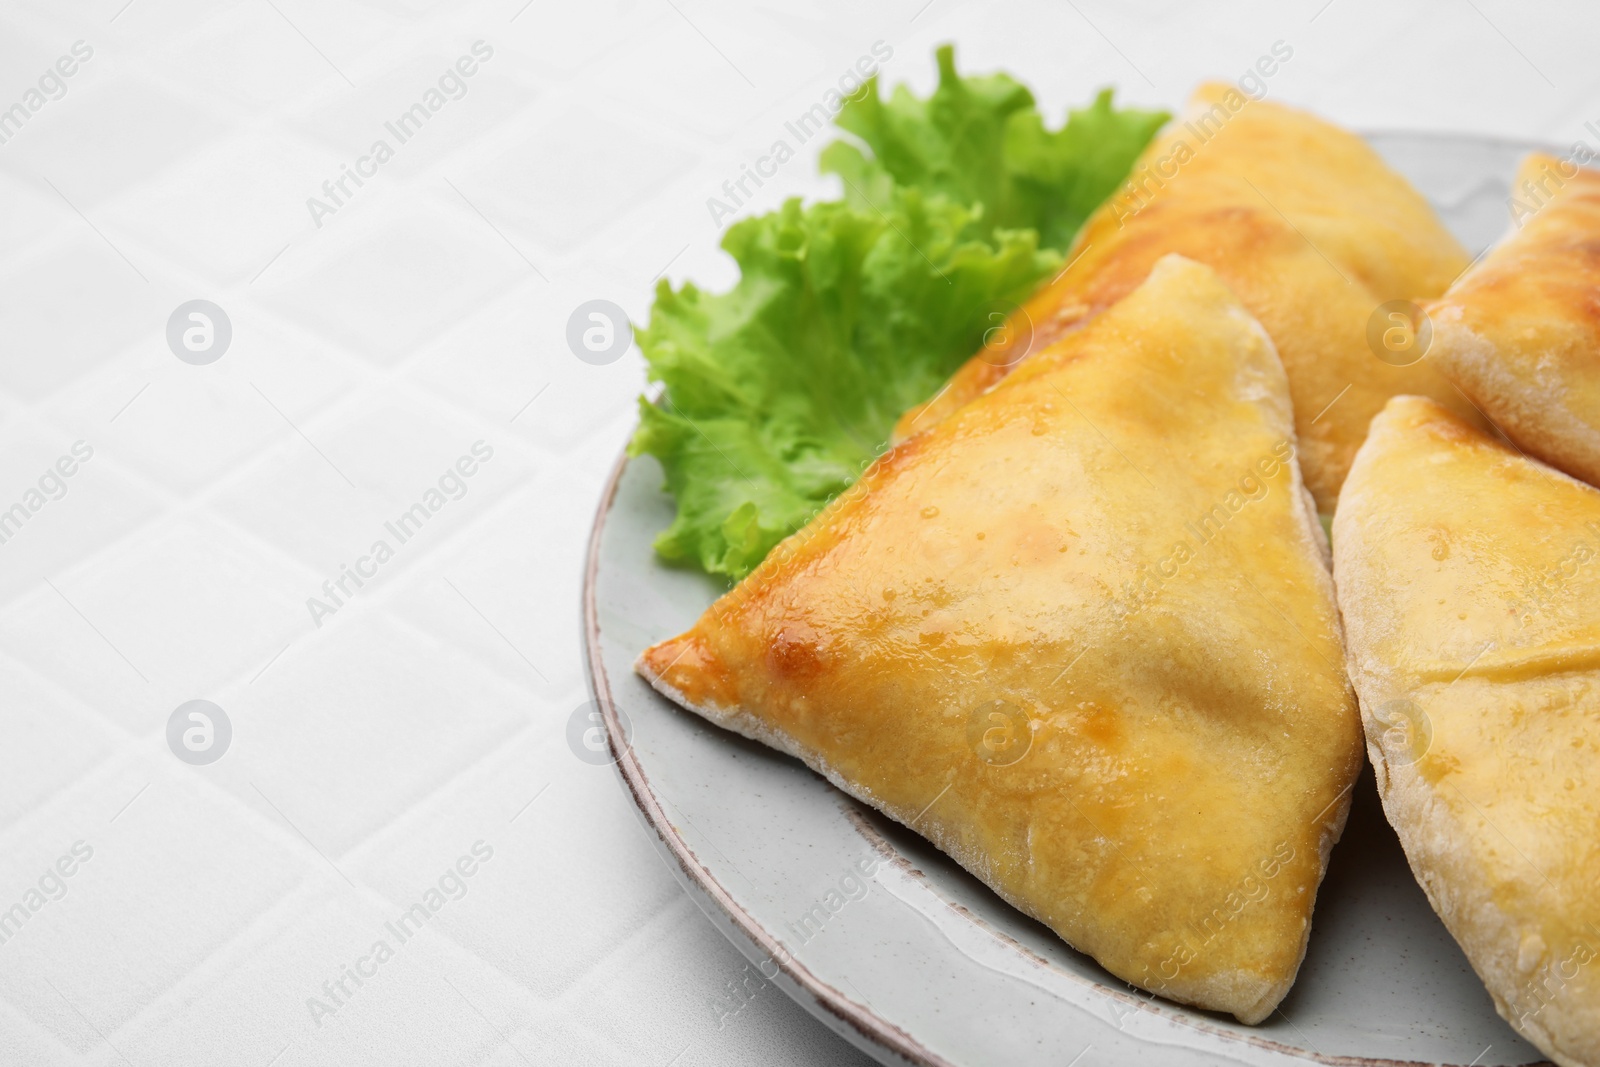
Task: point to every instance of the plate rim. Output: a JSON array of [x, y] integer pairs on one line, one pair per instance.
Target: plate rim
[[824, 1000]]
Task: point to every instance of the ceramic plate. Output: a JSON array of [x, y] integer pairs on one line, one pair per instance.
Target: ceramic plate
[[907, 956]]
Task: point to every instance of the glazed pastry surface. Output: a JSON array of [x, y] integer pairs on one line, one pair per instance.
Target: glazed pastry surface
[[1081, 635], [1520, 332], [1469, 581]]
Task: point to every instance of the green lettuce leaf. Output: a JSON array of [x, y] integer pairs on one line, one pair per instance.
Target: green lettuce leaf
[[980, 140], [779, 392]]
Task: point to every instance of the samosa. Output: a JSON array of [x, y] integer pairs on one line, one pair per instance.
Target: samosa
[[1520, 332], [1307, 225], [1469, 581], [1081, 635]]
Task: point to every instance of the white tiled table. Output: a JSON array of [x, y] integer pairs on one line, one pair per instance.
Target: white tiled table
[[426, 716]]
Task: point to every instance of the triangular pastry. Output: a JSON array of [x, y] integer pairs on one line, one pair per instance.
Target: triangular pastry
[[1469, 580], [1520, 332], [1082, 636], [1304, 222]]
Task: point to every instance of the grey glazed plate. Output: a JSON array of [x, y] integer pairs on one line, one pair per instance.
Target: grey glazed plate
[[915, 961]]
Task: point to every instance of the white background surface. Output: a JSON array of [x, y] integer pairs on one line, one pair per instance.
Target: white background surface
[[368, 354]]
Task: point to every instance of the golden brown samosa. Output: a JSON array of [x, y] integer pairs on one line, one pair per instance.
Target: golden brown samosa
[[1081, 635], [1520, 332], [1304, 222], [1469, 581]]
